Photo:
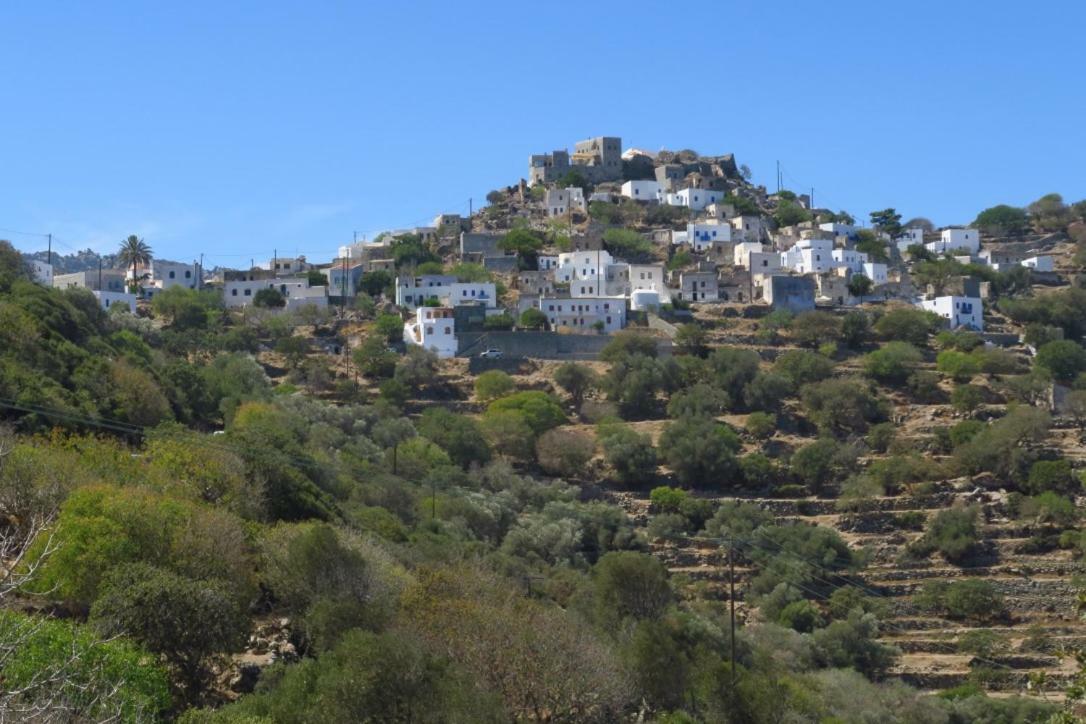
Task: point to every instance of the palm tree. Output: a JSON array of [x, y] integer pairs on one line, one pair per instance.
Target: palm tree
[[135, 253]]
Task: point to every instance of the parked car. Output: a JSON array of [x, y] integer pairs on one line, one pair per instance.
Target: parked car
[[491, 353]]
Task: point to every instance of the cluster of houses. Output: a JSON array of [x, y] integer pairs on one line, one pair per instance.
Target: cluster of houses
[[733, 257]]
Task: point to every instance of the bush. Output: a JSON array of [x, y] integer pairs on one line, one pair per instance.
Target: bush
[[952, 532], [803, 366], [666, 499], [629, 452], [390, 327], [822, 462], [458, 435], [187, 621], [631, 585], [532, 319], [893, 363], [802, 616], [881, 436], [666, 526], [564, 452], [970, 599], [577, 380], [269, 298], [842, 407], [967, 398], [539, 410], [492, 384], [1050, 475], [761, 425], [701, 452], [965, 431], [1063, 358], [908, 325], [959, 366]]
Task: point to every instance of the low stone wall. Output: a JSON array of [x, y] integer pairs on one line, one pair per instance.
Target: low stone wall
[[539, 345]]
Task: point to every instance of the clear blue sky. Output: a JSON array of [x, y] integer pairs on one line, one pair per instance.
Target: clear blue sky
[[237, 128]]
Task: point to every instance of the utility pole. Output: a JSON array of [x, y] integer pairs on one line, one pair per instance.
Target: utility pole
[[99, 273], [470, 209], [355, 237], [812, 198], [50, 252], [275, 261], [778, 177], [343, 285], [731, 601], [200, 273]]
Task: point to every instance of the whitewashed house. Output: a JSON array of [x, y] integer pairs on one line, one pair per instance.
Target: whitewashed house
[[643, 190], [702, 236], [694, 199], [876, 272], [576, 198], [433, 328], [764, 262], [809, 256], [41, 272], [109, 300], [837, 229], [965, 312], [582, 265], [1042, 263], [296, 292], [584, 314], [546, 263], [412, 291], [850, 259], [748, 228], [167, 274], [286, 267], [742, 250], [909, 237], [556, 202], [967, 240]]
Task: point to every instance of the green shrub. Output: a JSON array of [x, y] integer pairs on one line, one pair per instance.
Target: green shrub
[[761, 425], [953, 532], [971, 599], [1050, 475], [666, 499]]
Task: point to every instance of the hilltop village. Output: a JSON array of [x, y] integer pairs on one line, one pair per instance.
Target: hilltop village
[[603, 238], [635, 441]]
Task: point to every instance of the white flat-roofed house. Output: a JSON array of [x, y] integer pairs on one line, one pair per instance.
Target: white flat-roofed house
[[764, 263], [167, 274], [1041, 263], [41, 272], [702, 236], [582, 265], [965, 312], [433, 328], [415, 291], [967, 240], [576, 198], [850, 259], [748, 228], [699, 286], [105, 280], [695, 199], [584, 314], [240, 290], [848, 230], [556, 202], [876, 272], [546, 263], [109, 300], [643, 190], [909, 237], [809, 256], [742, 250], [286, 266]]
